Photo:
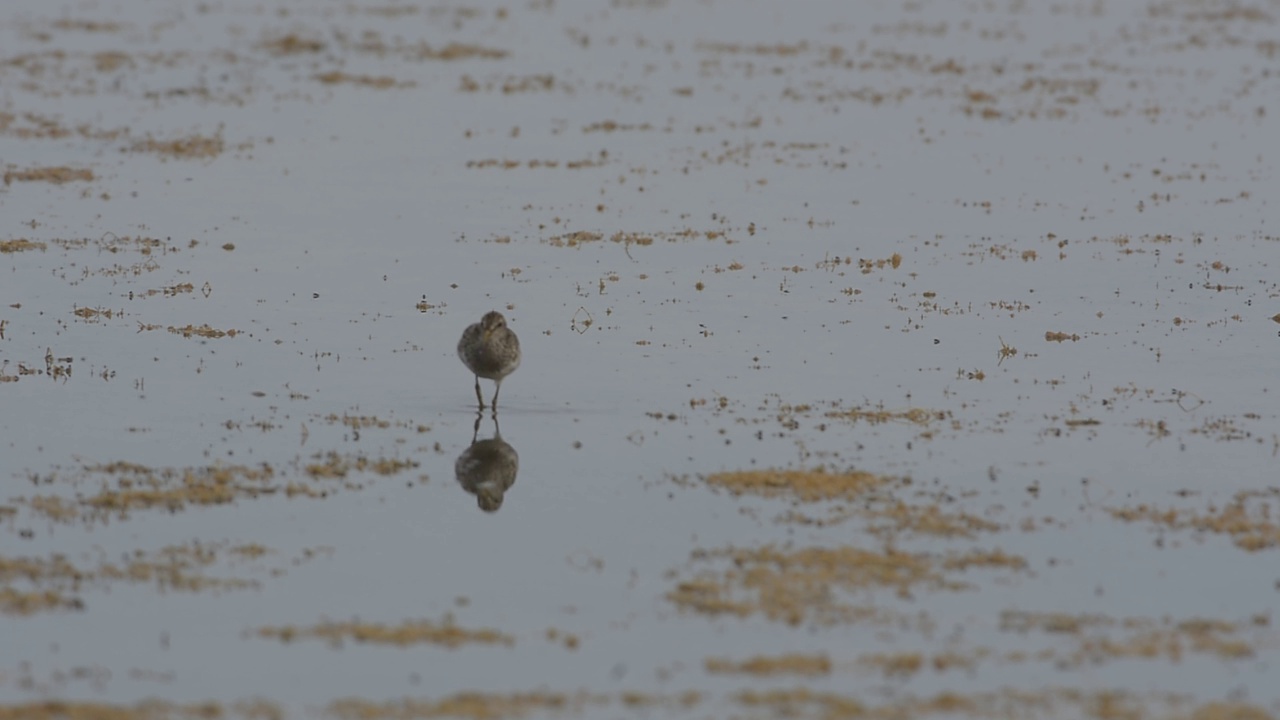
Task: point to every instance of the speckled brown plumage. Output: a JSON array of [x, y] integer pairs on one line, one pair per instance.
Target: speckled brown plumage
[[490, 350]]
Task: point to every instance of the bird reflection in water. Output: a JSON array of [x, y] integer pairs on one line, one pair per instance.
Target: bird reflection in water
[[487, 468]]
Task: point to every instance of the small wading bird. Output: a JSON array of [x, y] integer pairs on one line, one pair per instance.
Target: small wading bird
[[490, 350], [487, 469]]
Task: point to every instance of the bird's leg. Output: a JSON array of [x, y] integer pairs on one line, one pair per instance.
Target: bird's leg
[[476, 430], [479, 397], [497, 389]]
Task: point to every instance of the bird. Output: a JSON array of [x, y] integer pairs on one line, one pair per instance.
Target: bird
[[487, 468], [490, 350]]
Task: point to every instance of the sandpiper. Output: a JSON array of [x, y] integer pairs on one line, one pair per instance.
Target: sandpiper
[[490, 350], [487, 469]]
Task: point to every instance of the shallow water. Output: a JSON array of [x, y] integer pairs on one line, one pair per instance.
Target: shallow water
[[921, 354]]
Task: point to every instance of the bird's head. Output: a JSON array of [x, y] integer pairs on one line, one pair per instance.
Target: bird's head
[[492, 322]]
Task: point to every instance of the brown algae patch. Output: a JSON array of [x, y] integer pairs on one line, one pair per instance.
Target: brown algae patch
[[899, 517], [614, 126], [203, 331], [803, 485], [684, 701], [18, 602], [90, 26], [475, 705], [412, 632], [94, 314], [903, 665], [1008, 702], [112, 243], [333, 465], [145, 710], [372, 42], [20, 245], [581, 237], [124, 488], [574, 239], [457, 51], [856, 493], [56, 175], [1246, 519], [1099, 638], [794, 664], [30, 585], [984, 559], [491, 706], [380, 82], [796, 586], [894, 665], [195, 147], [879, 416], [292, 44]]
